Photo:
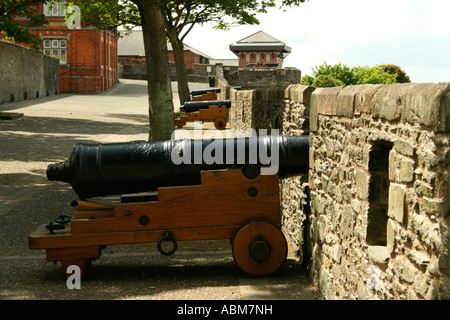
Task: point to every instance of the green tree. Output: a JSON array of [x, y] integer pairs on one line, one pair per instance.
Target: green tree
[[181, 16], [110, 14], [307, 80], [394, 69], [340, 74], [338, 71], [13, 31], [326, 80], [374, 75]]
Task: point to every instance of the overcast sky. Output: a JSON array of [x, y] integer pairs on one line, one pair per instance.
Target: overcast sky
[[414, 34]]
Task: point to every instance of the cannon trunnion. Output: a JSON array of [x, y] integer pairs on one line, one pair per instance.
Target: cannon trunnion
[[238, 202]]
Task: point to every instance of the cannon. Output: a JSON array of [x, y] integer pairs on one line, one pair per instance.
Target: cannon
[[205, 94], [204, 111], [176, 190], [192, 106]]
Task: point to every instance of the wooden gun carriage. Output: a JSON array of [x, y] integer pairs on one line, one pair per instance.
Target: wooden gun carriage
[[204, 111], [163, 199], [205, 94]]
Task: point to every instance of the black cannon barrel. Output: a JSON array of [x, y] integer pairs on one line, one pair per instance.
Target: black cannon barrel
[[123, 168], [204, 91], [192, 106]]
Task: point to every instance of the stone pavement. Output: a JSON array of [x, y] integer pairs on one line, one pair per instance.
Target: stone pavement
[[51, 126]]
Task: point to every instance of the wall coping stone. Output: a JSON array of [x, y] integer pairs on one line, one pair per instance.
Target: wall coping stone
[[299, 93], [427, 104]]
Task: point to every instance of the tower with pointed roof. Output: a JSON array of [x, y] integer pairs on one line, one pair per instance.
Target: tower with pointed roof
[[260, 49]]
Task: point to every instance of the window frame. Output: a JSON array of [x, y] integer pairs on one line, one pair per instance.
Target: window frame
[[55, 10], [56, 47]]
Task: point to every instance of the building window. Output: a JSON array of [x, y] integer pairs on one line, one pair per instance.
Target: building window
[[55, 10], [56, 48]]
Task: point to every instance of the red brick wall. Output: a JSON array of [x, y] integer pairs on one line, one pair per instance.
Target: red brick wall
[[92, 61], [189, 58], [246, 57]]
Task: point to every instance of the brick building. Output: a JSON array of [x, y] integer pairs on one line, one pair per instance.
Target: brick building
[[87, 57], [131, 47], [260, 48]]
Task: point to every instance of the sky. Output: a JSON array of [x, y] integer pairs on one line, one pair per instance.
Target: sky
[[413, 34]]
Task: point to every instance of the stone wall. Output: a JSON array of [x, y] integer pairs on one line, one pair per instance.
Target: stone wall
[[379, 181], [287, 110], [372, 218], [137, 69], [26, 74], [257, 78]]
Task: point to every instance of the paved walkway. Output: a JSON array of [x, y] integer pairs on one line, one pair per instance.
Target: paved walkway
[[51, 126]]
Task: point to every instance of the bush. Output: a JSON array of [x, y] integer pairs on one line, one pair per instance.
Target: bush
[[393, 69], [325, 81], [308, 80], [340, 74], [373, 75]]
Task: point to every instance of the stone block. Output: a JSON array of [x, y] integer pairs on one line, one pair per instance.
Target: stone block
[[426, 104], [313, 115], [362, 184], [404, 147], [379, 254], [327, 100], [401, 168], [390, 236], [405, 171], [435, 207], [355, 99], [419, 258], [299, 93], [396, 209], [323, 101], [405, 270], [347, 221]]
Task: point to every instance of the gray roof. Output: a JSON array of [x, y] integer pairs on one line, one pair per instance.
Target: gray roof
[[133, 45], [260, 41], [259, 37]]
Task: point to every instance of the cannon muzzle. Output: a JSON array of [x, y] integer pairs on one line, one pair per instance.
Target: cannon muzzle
[[123, 168]]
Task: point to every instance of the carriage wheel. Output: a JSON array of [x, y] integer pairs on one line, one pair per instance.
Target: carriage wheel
[[220, 123], [259, 248]]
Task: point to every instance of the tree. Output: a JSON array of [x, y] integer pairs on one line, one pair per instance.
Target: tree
[[110, 14], [181, 16], [338, 71], [12, 30], [326, 80], [374, 75], [339, 74], [393, 69], [161, 110], [308, 80], [177, 16]]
